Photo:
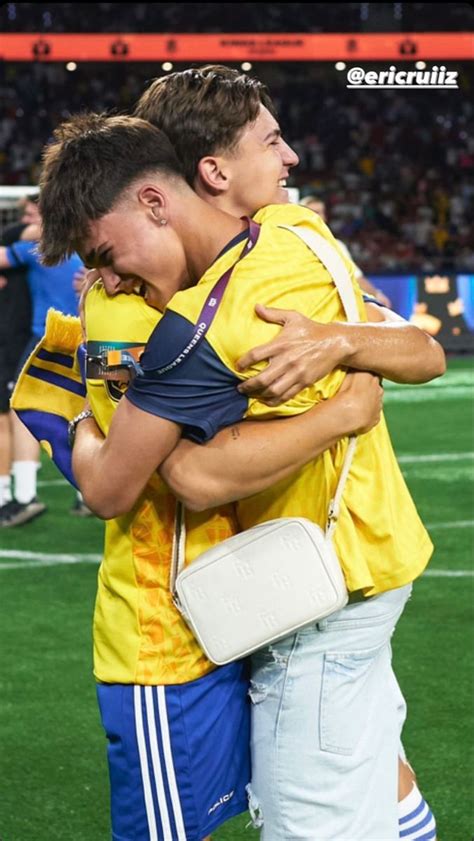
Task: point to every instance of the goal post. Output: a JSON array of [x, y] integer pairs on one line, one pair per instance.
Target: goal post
[[10, 202]]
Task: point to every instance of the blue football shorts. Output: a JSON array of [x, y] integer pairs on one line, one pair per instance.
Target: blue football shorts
[[179, 758]]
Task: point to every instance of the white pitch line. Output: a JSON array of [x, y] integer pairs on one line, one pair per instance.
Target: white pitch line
[[39, 560], [39, 564], [413, 459], [414, 395], [52, 483], [455, 524]]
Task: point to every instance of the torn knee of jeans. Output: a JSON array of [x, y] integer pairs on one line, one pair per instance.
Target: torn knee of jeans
[[257, 691], [254, 808], [279, 658]]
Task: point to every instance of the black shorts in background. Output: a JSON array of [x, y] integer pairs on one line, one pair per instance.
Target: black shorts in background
[[15, 321]]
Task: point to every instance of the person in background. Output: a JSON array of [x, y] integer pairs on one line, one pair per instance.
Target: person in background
[[48, 288], [317, 204], [15, 326]]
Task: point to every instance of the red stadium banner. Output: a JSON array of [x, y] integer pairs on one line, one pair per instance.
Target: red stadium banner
[[237, 47]]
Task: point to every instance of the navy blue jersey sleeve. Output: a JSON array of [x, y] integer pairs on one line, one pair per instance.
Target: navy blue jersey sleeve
[[200, 393]]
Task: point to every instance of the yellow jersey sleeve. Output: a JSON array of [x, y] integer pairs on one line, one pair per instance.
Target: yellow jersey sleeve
[[281, 271]]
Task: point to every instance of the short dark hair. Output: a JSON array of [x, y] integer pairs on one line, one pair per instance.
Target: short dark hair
[[203, 111], [93, 159]]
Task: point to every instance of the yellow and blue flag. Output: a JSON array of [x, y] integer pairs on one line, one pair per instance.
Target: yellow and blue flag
[[50, 390]]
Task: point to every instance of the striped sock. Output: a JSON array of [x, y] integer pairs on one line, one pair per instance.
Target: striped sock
[[415, 819]]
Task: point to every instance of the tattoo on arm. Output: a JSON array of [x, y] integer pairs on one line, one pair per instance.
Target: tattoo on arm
[[235, 432]]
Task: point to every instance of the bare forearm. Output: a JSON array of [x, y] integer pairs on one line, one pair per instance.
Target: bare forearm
[[305, 351], [90, 471], [31, 232], [113, 472], [4, 261], [245, 459], [396, 350]]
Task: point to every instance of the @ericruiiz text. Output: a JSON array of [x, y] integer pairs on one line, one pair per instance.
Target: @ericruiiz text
[[431, 77]]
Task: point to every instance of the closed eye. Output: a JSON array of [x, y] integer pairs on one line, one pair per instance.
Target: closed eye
[[98, 259]]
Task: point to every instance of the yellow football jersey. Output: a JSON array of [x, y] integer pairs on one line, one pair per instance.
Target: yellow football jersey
[[380, 539], [139, 636]]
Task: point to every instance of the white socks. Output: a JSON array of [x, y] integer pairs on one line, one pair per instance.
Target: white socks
[[415, 819], [5, 490], [24, 478]]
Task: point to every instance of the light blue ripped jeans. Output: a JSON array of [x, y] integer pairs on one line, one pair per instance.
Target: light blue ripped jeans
[[327, 714]]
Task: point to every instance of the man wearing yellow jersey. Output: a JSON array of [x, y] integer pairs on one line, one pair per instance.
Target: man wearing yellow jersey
[[152, 227], [149, 667], [154, 648], [139, 638]]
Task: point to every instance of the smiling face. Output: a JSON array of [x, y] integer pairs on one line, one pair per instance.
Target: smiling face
[[132, 250], [257, 168]]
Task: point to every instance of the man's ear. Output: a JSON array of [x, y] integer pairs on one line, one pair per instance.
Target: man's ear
[[154, 199], [212, 176]]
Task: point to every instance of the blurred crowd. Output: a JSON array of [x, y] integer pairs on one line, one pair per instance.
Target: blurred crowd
[[233, 17], [396, 169]]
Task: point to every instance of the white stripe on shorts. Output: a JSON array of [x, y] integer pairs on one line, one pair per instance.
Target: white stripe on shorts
[[157, 770], [165, 735], [150, 810]]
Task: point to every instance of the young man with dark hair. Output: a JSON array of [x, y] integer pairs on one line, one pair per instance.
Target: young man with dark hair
[[204, 112], [140, 640], [159, 212], [143, 650]]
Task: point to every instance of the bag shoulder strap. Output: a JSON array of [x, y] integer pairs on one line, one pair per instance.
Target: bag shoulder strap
[[332, 260]]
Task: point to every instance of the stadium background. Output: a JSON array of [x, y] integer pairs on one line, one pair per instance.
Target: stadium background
[[396, 169]]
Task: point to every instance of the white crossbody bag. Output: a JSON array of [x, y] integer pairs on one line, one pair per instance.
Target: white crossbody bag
[[275, 578]]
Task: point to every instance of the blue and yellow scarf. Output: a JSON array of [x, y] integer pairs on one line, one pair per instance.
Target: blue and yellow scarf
[[50, 390]]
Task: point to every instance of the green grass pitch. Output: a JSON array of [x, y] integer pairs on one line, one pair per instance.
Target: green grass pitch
[[52, 757]]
